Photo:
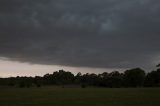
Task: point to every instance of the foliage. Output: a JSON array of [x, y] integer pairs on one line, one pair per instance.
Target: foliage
[[130, 78], [134, 77], [153, 79]]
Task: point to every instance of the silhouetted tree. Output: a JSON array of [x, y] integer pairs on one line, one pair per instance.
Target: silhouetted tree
[[115, 79], [103, 79], [130, 78], [158, 65], [77, 79], [153, 79], [134, 77]]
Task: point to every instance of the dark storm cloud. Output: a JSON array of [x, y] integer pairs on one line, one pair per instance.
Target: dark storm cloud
[[85, 33]]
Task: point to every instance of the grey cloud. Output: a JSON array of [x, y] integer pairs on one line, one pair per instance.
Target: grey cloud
[[90, 33]]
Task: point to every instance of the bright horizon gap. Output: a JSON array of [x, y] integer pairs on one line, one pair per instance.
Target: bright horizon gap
[[14, 68]]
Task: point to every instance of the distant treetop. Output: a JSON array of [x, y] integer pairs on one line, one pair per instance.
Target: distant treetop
[[158, 65]]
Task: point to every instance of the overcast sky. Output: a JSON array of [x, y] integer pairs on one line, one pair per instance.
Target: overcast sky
[[100, 34]]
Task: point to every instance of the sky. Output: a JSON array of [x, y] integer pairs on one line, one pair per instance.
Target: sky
[[40, 36]]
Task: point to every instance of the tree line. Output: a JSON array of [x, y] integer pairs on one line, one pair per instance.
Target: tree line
[[130, 78]]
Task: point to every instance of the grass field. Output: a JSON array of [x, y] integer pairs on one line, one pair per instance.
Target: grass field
[[52, 96]]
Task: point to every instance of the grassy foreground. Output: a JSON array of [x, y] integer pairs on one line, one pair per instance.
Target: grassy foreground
[[51, 96]]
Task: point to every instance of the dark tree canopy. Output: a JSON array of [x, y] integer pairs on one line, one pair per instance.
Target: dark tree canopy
[[134, 77], [158, 65], [130, 78], [153, 79]]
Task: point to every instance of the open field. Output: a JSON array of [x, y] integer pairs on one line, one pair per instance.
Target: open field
[[52, 96]]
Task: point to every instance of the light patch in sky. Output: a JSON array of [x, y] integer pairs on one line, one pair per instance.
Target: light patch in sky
[[14, 68]]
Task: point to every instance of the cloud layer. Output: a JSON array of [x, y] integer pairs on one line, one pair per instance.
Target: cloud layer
[[83, 33]]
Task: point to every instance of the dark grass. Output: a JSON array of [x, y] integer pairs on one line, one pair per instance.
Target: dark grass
[[54, 96]]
